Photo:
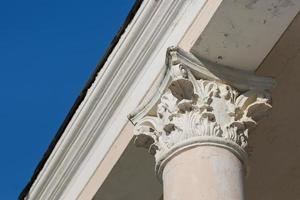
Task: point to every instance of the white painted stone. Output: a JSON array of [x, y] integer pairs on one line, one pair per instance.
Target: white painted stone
[[197, 129], [197, 111], [206, 173]]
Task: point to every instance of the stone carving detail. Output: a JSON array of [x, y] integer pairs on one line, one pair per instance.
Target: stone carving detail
[[193, 111]]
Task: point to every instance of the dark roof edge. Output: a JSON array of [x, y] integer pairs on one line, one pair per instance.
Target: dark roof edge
[[80, 98]]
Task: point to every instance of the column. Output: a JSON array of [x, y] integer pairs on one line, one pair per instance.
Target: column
[[204, 172], [198, 133]]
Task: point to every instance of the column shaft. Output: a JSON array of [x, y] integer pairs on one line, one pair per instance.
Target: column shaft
[[204, 173]]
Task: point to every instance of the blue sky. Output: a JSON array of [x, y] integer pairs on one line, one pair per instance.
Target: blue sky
[[48, 50]]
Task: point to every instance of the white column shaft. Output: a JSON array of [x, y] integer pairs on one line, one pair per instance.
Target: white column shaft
[[204, 173]]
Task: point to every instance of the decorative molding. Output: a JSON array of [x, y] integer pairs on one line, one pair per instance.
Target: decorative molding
[[195, 106], [103, 113]]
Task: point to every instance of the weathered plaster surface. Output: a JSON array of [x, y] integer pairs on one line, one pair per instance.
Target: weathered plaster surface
[[242, 32]]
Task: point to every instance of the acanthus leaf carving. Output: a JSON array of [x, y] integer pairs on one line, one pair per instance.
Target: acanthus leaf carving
[[194, 110]]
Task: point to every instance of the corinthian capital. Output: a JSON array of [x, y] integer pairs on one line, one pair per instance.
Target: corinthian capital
[[194, 106]]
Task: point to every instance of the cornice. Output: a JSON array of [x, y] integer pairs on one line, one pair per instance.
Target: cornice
[[74, 158]]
